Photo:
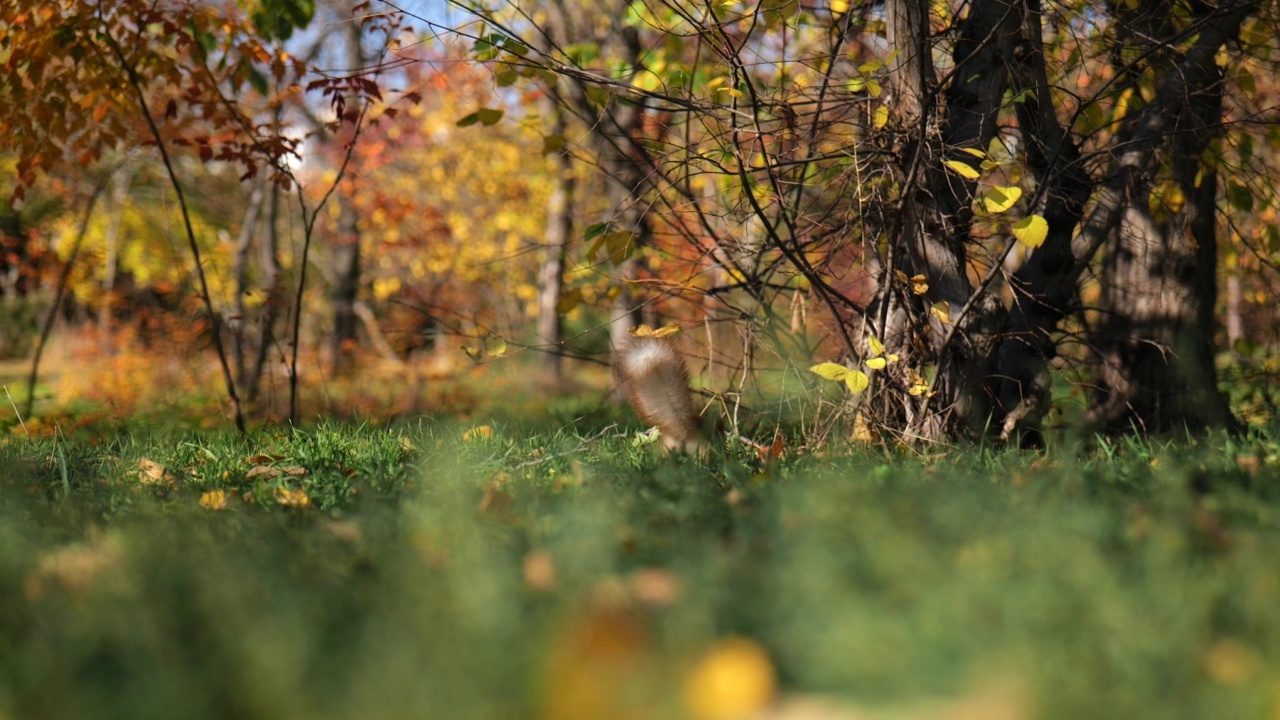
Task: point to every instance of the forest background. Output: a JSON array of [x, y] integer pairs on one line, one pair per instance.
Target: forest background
[[983, 219]]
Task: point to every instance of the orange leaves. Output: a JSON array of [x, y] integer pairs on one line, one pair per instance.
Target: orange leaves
[[80, 82]]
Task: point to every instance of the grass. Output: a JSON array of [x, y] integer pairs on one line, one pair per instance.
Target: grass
[[521, 572]]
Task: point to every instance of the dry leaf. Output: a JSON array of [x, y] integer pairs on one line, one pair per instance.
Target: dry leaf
[[214, 500], [151, 472], [292, 498], [539, 571], [482, 432]]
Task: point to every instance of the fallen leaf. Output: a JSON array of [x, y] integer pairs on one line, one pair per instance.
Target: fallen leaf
[[292, 498], [214, 500], [151, 472], [539, 571]]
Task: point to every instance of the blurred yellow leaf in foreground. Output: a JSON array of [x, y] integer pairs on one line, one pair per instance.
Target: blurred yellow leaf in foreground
[[734, 679]]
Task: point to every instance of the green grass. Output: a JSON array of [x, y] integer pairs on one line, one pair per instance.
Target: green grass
[[430, 576]]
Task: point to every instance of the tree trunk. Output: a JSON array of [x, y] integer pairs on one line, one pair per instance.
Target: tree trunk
[[346, 287], [936, 214], [617, 130], [238, 324], [346, 252], [273, 286], [1154, 370], [551, 276], [1044, 287]]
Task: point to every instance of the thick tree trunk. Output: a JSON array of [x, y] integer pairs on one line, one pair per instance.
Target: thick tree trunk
[[551, 276], [1154, 370], [1044, 288], [936, 214]]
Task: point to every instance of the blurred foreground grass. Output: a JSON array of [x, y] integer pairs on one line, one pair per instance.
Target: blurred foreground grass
[[443, 572]]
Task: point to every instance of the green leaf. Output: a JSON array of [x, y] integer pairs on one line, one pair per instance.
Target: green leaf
[[552, 143], [962, 169], [1240, 196], [620, 244], [495, 346], [594, 231], [469, 120], [506, 77], [1031, 231], [489, 116], [999, 198]]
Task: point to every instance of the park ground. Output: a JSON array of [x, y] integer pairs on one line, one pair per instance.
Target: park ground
[[544, 560]]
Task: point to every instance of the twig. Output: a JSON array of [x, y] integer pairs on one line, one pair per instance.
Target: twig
[[15, 412], [63, 279]]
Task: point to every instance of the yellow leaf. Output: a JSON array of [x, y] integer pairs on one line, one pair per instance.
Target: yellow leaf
[[876, 346], [999, 199], [942, 311], [919, 387], [881, 117], [877, 363], [974, 152], [495, 347], [862, 430], [1031, 231], [667, 331], [473, 352], [734, 679], [919, 285], [214, 500], [292, 498], [962, 169], [481, 432], [830, 371], [893, 357], [1167, 197], [839, 6], [857, 381]]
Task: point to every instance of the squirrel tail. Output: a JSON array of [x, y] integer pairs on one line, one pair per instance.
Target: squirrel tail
[[652, 373]]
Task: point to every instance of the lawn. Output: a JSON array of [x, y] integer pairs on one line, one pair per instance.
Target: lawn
[[435, 570]]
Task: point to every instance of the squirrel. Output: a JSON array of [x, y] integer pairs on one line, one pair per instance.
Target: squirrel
[[651, 371]]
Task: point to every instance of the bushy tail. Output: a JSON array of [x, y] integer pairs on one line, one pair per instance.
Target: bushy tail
[[653, 374]]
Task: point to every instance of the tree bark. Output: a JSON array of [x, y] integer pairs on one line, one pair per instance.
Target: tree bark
[[1153, 369], [551, 276], [346, 252], [346, 286], [937, 211], [1044, 287]]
